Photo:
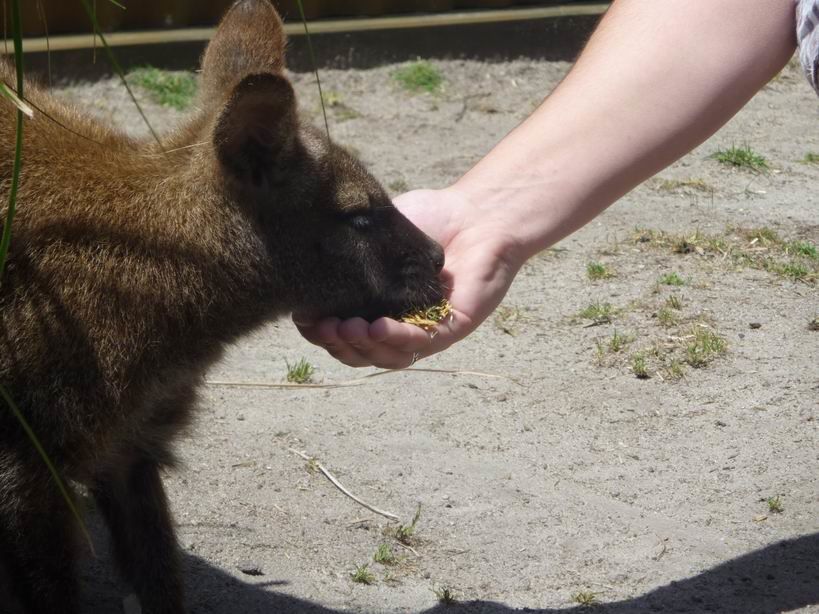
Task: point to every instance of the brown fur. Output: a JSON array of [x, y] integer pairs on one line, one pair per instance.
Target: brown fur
[[132, 267]]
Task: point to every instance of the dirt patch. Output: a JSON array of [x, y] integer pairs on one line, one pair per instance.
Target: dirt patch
[[565, 475]]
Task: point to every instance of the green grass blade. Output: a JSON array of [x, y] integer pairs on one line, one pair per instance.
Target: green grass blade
[[21, 105], [116, 66], [315, 66], [5, 242]]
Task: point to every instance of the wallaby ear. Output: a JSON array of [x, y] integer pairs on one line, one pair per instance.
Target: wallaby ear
[[250, 40], [257, 129]]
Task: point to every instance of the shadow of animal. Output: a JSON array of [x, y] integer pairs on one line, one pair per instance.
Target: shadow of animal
[[133, 264], [781, 577]]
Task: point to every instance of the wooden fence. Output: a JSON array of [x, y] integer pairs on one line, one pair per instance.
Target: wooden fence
[[67, 16]]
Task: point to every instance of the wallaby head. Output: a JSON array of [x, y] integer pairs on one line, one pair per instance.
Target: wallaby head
[[341, 246]]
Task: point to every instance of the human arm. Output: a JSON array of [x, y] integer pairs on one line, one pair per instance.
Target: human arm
[[655, 81]]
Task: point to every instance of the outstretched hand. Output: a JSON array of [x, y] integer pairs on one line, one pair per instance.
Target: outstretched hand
[[482, 259]]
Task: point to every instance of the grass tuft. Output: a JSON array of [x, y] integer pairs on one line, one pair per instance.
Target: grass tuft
[[803, 248], [705, 346], [672, 279], [598, 270], [741, 157], [404, 533], [814, 324], [639, 366], [586, 599], [811, 158], [674, 370], [363, 575], [300, 373], [619, 342], [666, 317], [674, 302], [759, 248], [384, 555], [420, 76], [775, 505], [599, 313], [170, 89], [446, 596], [764, 235]]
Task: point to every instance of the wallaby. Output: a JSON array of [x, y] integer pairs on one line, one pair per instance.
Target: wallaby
[[132, 266]]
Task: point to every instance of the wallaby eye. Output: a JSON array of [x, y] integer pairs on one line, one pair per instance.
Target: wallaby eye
[[360, 221]]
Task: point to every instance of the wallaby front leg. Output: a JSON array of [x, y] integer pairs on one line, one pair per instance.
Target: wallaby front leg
[[37, 542], [136, 509]]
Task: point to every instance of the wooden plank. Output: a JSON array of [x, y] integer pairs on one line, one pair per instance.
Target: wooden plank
[[188, 35]]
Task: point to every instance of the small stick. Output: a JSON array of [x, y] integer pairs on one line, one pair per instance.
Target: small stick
[[338, 485], [358, 381], [410, 548]]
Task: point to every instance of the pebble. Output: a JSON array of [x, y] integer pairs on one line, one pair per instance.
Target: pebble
[[250, 568]]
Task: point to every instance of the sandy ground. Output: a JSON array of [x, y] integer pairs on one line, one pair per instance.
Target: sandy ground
[[564, 473]]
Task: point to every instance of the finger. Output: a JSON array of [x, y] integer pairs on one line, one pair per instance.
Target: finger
[[399, 336], [323, 333], [348, 342], [356, 332]]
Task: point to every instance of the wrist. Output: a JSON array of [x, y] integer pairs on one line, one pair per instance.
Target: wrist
[[488, 218]]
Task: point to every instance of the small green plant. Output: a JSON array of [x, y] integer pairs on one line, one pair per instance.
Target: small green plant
[[674, 302], [331, 99], [342, 111], [666, 317], [775, 505], [598, 270], [586, 599], [674, 370], [385, 555], [363, 575], [741, 157], [405, 533], [619, 342], [672, 279], [170, 89], [704, 346], [792, 270], [508, 319], [301, 372], [764, 235], [639, 366], [599, 313], [814, 324], [811, 158], [445, 595], [420, 76], [803, 248]]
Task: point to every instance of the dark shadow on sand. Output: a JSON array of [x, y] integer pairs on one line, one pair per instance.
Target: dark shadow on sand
[[780, 577]]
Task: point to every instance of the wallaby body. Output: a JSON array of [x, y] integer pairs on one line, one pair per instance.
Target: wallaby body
[[133, 265]]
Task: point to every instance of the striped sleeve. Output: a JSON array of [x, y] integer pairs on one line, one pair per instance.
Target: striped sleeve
[[807, 34]]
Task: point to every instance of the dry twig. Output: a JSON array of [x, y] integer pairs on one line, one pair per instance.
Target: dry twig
[[338, 485]]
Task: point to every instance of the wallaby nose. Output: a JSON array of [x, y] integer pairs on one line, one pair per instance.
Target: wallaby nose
[[437, 256]]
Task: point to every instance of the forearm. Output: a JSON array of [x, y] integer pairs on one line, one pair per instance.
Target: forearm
[[657, 78]]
